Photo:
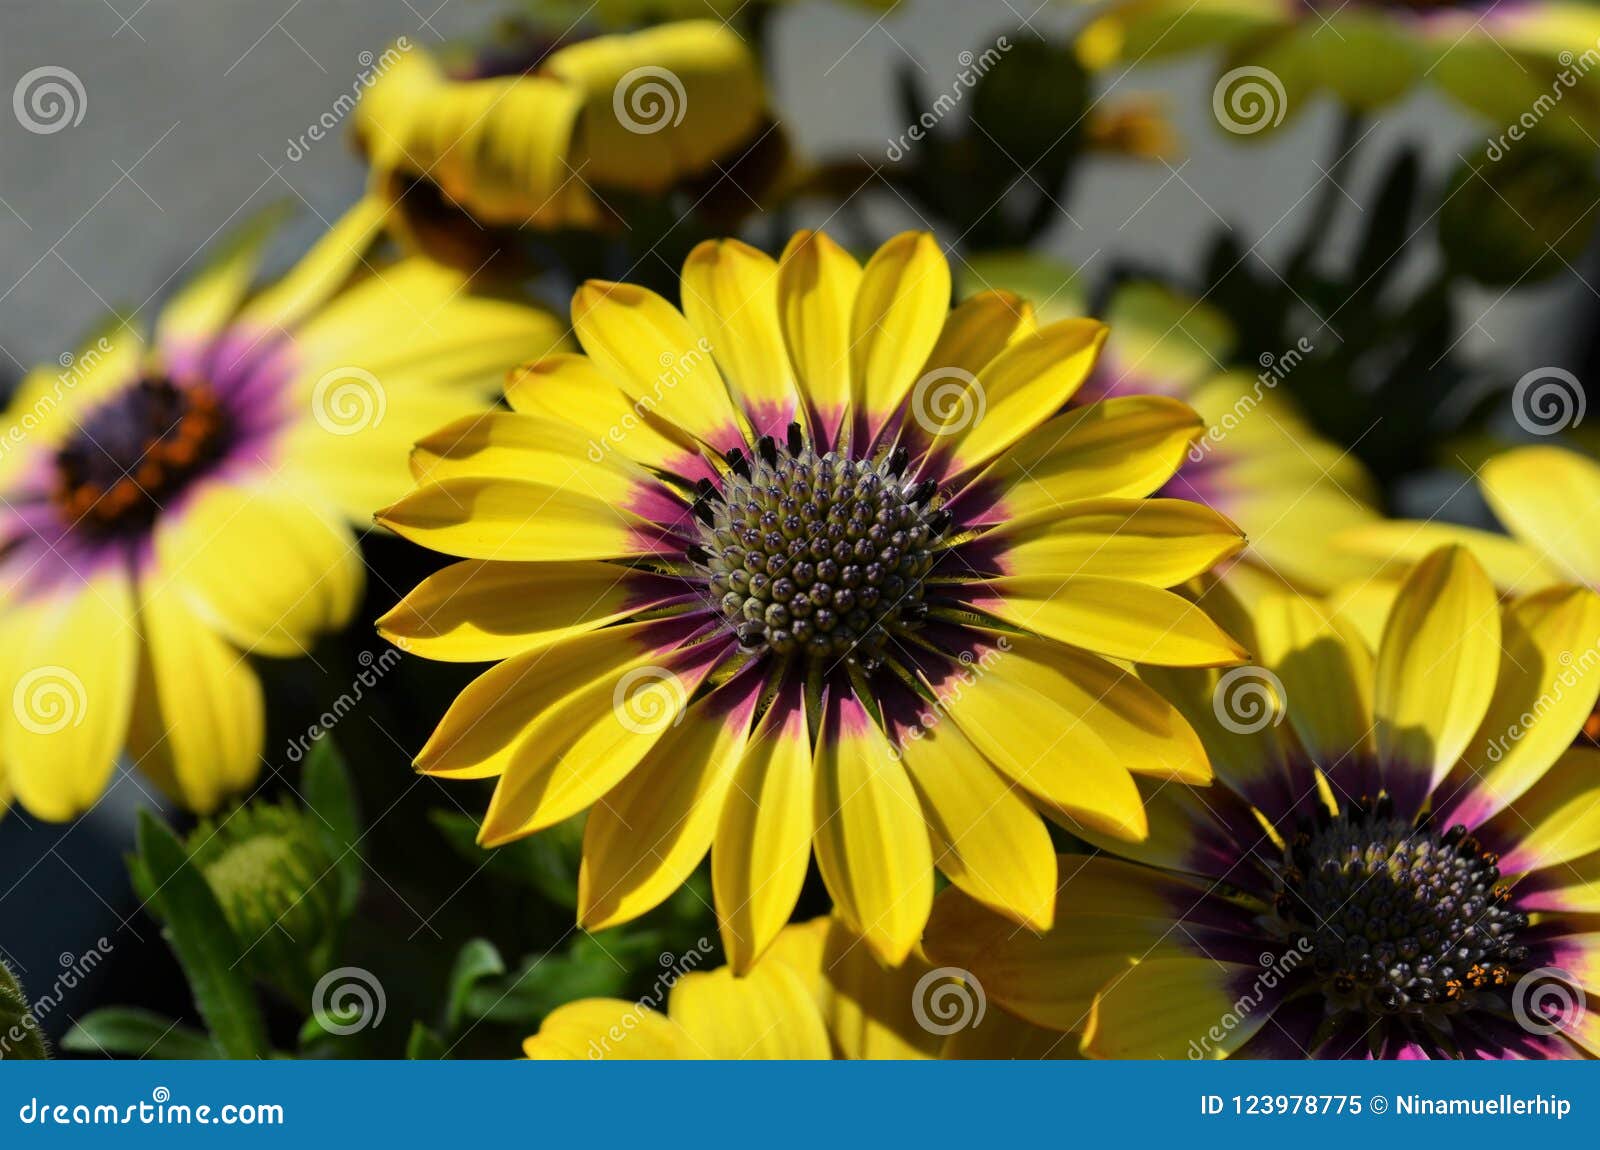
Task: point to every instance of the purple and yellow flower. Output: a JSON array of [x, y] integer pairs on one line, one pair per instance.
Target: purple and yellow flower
[[1256, 460], [816, 562], [171, 507], [1404, 868], [1500, 58]]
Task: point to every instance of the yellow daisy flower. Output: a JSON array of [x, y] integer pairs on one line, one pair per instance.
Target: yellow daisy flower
[[1405, 868], [814, 561], [816, 994], [1547, 497], [549, 143], [1257, 460], [1501, 60], [170, 507]]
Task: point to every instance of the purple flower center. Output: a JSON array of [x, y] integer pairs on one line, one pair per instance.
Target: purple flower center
[[821, 555], [136, 451]]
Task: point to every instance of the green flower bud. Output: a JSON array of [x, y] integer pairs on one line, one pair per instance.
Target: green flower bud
[[20, 1036]]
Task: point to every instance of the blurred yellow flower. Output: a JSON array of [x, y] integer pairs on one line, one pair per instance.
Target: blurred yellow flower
[[550, 146], [1500, 60], [172, 507], [816, 994]]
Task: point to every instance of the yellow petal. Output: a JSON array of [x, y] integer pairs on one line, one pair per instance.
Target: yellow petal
[[268, 571], [1549, 498], [817, 283], [900, 309], [198, 724], [1161, 542], [872, 1010], [1436, 666], [1549, 674], [479, 518], [608, 1028], [1004, 1037], [768, 1014], [69, 691], [1394, 546], [1124, 447], [571, 388], [1021, 388], [655, 826], [1109, 913], [1557, 820], [730, 295], [987, 838], [1171, 1007], [1123, 620], [1322, 675], [479, 732], [871, 837], [646, 346], [1021, 705], [978, 329], [763, 843], [477, 612], [601, 729]]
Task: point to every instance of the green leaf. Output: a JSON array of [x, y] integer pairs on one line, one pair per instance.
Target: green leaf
[[477, 960], [19, 1029], [137, 1034], [203, 942], [547, 861], [424, 1044], [586, 969], [331, 801]]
